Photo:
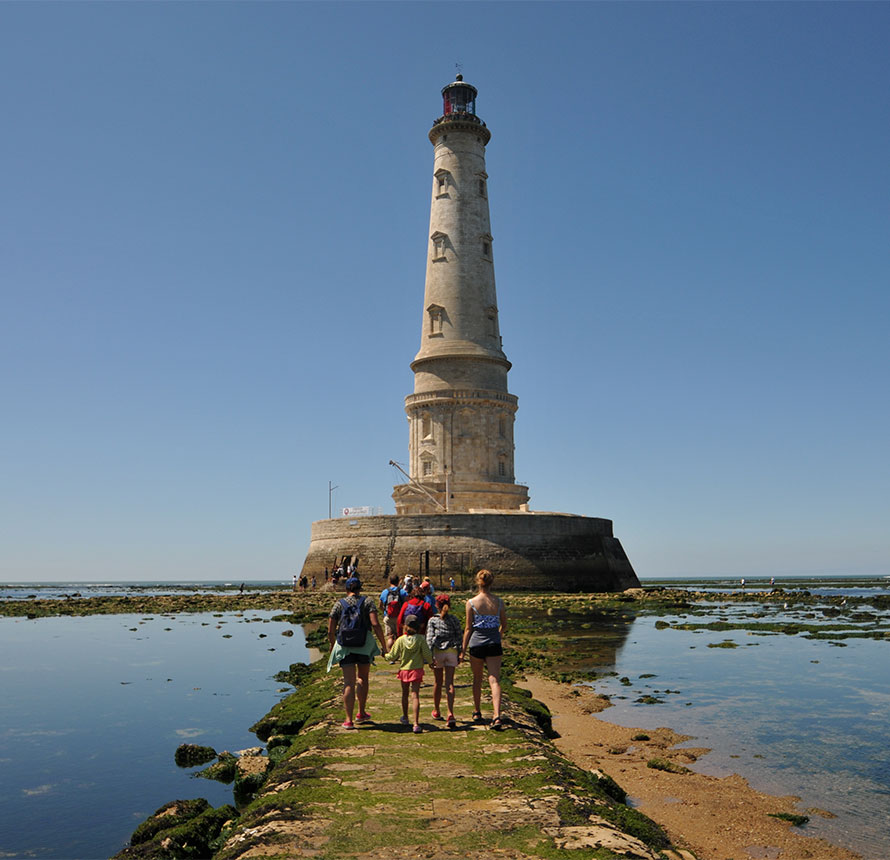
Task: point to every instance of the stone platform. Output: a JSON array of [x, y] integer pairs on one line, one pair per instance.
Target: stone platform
[[525, 550]]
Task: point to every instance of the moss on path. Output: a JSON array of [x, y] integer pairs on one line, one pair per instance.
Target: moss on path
[[381, 791]]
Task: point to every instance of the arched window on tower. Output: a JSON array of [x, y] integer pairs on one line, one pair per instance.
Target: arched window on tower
[[486, 246], [482, 178], [426, 426]]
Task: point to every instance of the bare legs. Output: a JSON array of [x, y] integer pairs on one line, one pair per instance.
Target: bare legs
[[446, 674], [355, 686], [412, 687], [493, 664]]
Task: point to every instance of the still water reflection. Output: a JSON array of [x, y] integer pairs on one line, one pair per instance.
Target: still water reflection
[[93, 709], [799, 716]]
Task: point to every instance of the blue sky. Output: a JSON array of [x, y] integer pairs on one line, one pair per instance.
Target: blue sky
[[214, 230]]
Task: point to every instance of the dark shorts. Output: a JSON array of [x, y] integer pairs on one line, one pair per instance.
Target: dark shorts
[[483, 651], [355, 659]]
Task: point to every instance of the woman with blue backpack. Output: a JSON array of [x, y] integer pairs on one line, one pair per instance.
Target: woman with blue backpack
[[352, 628]]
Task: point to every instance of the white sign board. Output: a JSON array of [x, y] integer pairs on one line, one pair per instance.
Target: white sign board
[[365, 511]]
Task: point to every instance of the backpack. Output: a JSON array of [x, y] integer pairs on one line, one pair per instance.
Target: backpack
[[417, 609], [353, 628], [392, 604]]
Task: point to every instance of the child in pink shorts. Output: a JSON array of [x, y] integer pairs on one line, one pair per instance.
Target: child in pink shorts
[[411, 651]]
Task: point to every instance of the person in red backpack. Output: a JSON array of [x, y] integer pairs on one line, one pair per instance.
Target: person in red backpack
[[416, 605], [392, 599]]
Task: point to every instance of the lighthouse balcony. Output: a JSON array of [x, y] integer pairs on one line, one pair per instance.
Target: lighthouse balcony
[[460, 395], [461, 116]]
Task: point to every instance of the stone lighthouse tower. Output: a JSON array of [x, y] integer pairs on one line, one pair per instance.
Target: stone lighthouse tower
[[461, 507], [461, 414]]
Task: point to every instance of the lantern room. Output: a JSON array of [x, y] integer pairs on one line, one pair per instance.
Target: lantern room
[[459, 97]]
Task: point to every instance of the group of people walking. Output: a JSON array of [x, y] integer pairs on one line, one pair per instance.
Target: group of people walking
[[419, 629]]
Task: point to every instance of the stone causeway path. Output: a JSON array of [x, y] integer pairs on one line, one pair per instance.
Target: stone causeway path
[[381, 791]]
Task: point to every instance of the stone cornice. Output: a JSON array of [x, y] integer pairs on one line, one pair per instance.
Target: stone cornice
[[461, 396], [447, 354]]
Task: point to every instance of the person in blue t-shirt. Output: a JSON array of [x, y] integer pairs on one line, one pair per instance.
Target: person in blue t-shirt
[[392, 598]]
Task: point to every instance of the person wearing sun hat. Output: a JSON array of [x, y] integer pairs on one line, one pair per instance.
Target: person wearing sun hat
[[349, 617]]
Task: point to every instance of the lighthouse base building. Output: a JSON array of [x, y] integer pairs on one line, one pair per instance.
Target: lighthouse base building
[[461, 508], [525, 551]]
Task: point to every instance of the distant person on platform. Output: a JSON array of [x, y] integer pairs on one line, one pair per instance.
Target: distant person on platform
[[352, 627], [294, 586]]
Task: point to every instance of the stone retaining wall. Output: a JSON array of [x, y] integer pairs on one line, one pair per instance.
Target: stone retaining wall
[[526, 551]]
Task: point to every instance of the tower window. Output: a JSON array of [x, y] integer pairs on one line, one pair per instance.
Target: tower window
[[436, 318], [441, 179], [486, 249], [491, 314], [427, 468], [426, 427], [481, 187], [502, 427], [502, 468], [440, 241]]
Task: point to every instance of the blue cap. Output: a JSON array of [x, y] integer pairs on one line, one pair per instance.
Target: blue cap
[[353, 584]]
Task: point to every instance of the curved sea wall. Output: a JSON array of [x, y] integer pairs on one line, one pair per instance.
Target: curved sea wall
[[527, 551]]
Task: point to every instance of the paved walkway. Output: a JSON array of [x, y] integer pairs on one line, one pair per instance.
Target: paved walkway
[[381, 791]]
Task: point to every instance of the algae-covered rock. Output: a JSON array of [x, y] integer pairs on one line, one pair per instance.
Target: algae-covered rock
[[223, 770], [300, 708], [190, 755], [179, 829], [169, 815]]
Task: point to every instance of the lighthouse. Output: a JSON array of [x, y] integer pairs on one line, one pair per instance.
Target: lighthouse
[[461, 508], [461, 413]]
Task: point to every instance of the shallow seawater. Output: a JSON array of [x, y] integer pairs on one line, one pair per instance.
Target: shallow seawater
[[94, 707], [795, 716]]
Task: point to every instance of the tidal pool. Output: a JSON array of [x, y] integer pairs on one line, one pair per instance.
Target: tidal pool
[[807, 717]]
